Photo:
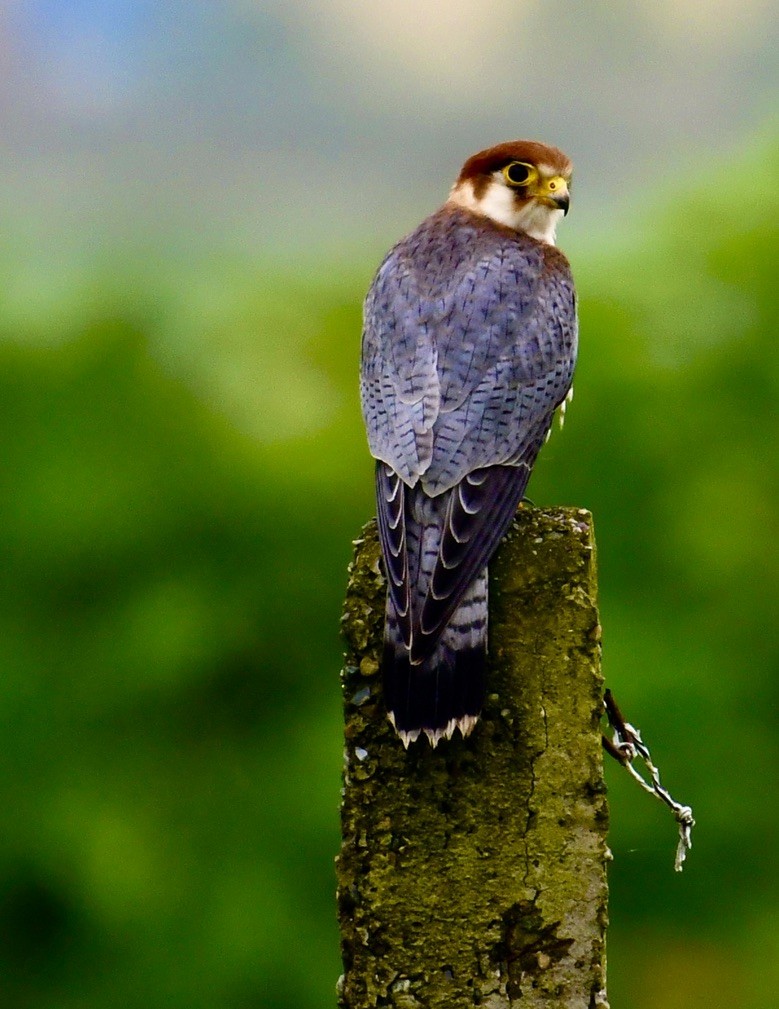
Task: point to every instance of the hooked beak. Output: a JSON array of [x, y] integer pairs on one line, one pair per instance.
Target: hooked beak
[[562, 201], [554, 193]]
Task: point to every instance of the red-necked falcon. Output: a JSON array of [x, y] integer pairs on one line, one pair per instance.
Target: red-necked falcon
[[468, 349]]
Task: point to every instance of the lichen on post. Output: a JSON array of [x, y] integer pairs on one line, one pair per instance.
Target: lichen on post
[[474, 874]]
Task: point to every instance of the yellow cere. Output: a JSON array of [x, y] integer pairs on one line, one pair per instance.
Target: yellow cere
[[556, 184]]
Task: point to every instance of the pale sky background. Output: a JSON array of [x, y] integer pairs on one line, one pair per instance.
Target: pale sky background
[[309, 124]]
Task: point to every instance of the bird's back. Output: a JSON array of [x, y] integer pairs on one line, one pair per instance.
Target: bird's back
[[469, 340]]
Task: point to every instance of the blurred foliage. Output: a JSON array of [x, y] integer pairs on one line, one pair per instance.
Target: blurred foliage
[[183, 470]]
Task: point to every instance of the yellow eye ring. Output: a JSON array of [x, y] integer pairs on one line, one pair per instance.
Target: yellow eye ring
[[518, 173]]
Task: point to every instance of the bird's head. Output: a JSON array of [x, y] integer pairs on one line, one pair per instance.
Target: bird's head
[[521, 184]]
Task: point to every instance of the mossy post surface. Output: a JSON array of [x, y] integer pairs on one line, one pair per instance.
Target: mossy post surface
[[474, 874]]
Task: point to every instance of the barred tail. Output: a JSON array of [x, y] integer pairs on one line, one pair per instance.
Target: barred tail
[[446, 691]]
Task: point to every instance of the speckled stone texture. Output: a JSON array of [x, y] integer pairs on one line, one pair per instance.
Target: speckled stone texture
[[474, 874]]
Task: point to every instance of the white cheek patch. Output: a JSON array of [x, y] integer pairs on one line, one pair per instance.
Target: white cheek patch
[[498, 204]]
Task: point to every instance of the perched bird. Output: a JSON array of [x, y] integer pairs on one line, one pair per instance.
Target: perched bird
[[468, 349]]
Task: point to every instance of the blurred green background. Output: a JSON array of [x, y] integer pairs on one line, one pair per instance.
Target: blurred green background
[[193, 202]]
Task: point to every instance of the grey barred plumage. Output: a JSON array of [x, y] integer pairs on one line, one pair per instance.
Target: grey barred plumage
[[469, 345]]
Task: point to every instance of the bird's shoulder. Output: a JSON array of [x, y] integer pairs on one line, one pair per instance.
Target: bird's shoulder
[[453, 239], [455, 256]]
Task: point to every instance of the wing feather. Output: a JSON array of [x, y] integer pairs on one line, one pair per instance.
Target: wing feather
[[390, 500], [469, 345], [461, 558]]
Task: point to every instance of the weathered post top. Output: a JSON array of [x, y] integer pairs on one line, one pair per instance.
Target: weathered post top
[[474, 874]]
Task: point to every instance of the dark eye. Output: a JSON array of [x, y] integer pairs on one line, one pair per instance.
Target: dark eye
[[517, 173]]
